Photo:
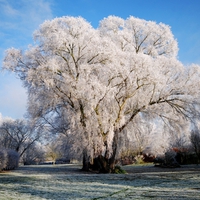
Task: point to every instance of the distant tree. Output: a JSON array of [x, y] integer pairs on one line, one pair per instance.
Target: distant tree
[[67, 147], [179, 142], [195, 141], [92, 84], [51, 154], [35, 154], [19, 135]]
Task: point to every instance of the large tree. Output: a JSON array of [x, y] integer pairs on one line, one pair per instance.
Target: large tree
[[92, 84]]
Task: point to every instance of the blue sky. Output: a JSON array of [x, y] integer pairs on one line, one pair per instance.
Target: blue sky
[[18, 20]]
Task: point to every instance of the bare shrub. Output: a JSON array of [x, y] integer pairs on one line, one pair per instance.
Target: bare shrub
[[170, 159], [12, 159], [9, 159], [3, 159]]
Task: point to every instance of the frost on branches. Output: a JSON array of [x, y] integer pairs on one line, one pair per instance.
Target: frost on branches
[[92, 84]]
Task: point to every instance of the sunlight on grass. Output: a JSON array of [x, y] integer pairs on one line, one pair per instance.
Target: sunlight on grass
[[68, 182]]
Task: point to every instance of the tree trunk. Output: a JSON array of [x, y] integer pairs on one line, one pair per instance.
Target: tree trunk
[[86, 160], [102, 163]]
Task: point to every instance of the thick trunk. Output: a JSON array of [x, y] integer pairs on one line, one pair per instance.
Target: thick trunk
[[102, 163]]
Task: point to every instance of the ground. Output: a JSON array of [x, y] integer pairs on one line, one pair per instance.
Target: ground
[[61, 182]]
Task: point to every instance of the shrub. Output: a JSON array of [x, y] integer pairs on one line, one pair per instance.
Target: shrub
[[170, 159], [167, 160], [118, 170], [3, 159], [9, 159], [13, 159], [139, 159]]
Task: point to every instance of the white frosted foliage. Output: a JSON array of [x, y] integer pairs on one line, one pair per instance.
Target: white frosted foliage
[[98, 80]]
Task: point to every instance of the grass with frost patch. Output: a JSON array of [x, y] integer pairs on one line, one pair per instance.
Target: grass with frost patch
[[61, 182]]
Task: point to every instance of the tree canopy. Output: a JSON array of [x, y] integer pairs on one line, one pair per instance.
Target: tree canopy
[[93, 84]]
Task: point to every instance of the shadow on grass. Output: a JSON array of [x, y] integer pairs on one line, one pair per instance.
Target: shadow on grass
[[50, 169], [68, 182]]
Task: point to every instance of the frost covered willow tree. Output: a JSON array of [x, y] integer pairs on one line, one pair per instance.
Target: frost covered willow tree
[[92, 84]]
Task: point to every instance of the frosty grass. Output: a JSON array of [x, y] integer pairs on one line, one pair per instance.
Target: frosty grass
[[61, 182]]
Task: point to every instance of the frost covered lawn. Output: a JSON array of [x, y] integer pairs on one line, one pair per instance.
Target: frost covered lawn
[[68, 182]]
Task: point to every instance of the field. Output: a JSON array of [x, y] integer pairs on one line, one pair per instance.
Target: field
[[61, 182]]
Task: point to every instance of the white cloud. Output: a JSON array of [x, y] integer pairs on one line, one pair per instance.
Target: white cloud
[[24, 15], [19, 19], [9, 10]]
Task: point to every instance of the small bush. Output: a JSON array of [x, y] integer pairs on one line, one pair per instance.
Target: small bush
[[3, 159], [139, 159], [167, 160], [13, 159], [9, 159], [119, 170]]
